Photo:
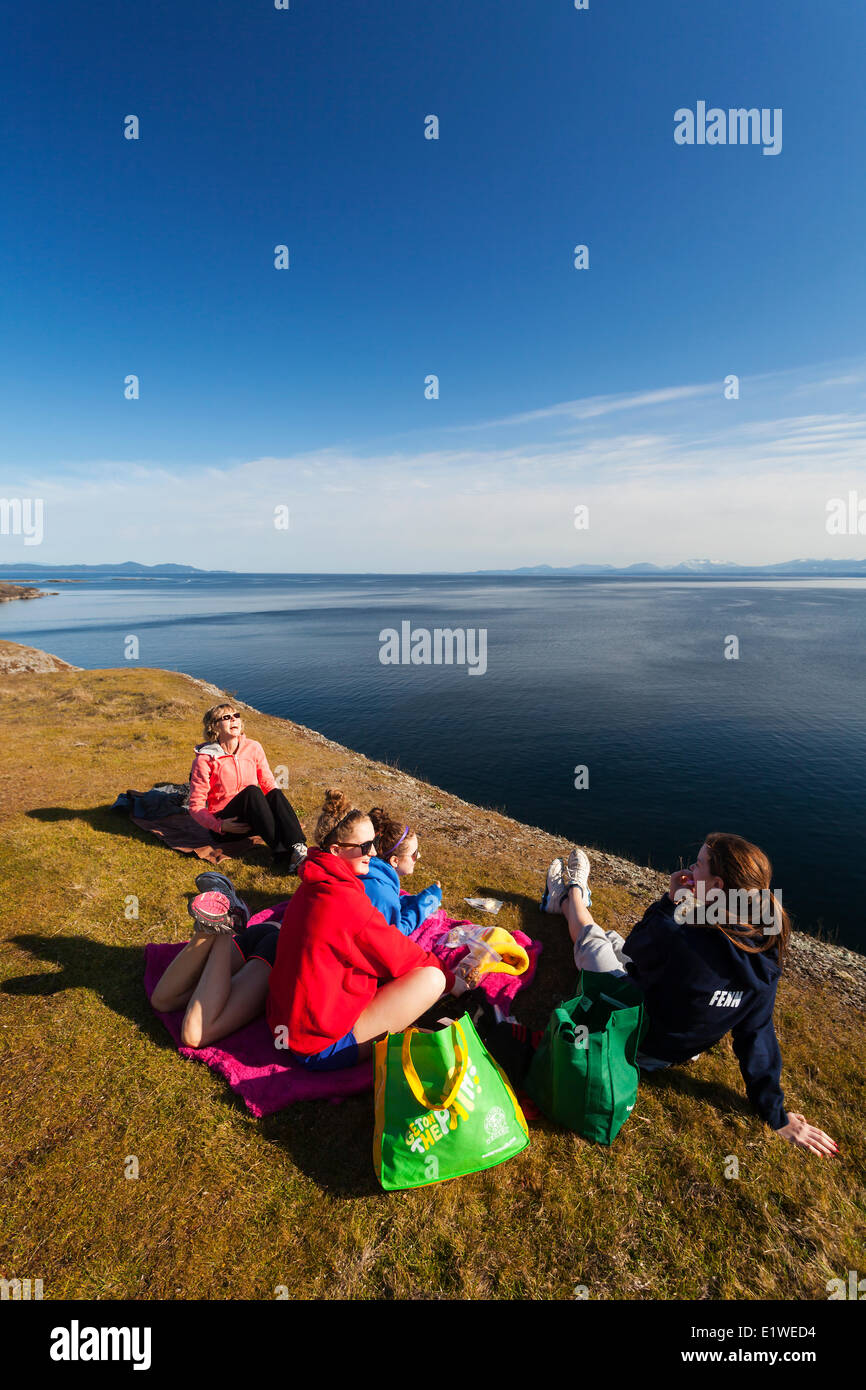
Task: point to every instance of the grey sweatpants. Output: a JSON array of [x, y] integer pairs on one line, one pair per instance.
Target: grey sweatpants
[[601, 951]]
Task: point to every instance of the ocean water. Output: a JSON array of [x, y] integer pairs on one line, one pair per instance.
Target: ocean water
[[626, 678]]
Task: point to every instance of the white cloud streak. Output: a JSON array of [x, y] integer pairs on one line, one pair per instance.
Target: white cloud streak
[[716, 481]]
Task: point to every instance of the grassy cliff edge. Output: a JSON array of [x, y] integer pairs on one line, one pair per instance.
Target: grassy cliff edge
[[91, 1079]]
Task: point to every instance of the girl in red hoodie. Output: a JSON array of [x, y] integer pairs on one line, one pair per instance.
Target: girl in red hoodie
[[342, 975]]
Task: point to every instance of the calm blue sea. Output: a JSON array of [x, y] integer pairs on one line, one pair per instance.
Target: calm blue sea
[[627, 678]]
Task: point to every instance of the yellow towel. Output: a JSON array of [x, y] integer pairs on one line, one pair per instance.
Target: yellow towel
[[499, 954]]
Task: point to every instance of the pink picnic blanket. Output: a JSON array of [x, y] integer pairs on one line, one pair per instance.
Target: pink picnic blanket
[[257, 1072]]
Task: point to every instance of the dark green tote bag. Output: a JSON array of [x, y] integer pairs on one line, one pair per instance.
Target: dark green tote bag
[[584, 1074]]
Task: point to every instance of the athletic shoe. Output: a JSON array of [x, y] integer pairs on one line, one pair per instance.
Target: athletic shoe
[[577, 873], [288, 861], [211, 882], [299, 854], [212, 913], [555, 888]]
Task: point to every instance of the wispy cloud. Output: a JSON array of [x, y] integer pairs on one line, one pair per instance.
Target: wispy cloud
[[591, 407], [740, 480], [852, 379]]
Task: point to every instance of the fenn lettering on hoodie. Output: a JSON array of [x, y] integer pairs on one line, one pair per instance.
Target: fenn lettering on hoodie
[[727, 998], [444, 646]]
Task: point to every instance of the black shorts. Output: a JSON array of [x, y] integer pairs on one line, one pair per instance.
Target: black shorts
[[259, 942]]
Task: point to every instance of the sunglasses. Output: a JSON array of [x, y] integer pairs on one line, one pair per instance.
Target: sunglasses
[[366, 848], [227, 718]]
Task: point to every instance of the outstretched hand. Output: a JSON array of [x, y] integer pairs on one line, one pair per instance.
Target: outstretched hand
[[798, 1131]]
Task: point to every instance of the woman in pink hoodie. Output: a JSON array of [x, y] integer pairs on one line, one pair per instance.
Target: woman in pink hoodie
[[233, 793]]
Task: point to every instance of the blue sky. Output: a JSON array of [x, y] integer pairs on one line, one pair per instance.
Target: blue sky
[[409, 257]]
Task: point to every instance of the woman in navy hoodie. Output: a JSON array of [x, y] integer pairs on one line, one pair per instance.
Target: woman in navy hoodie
[[396, 855], [703, 969]]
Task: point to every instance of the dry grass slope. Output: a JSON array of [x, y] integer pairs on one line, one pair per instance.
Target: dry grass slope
[[225, 1205]]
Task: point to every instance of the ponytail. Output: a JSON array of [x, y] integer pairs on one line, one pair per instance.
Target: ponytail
[[336, 814], [389, 832]]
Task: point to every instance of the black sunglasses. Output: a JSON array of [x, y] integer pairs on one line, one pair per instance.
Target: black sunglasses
[[366, 848]]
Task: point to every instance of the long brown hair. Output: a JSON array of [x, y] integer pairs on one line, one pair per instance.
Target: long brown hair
[[743, 866], [337, 814]]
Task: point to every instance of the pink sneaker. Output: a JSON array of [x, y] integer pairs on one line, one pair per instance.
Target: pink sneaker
[[212, 913]]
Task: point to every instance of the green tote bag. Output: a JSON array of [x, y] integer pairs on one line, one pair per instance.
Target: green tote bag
[[584, 1074], [443, 1108]]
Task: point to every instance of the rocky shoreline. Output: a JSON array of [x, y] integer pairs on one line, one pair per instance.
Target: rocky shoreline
[[8, 592], [14, 658]]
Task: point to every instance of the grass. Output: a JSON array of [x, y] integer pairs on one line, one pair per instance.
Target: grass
[[225, 1205]]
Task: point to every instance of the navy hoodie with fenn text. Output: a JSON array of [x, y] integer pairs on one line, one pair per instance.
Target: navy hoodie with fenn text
[[699, 986]]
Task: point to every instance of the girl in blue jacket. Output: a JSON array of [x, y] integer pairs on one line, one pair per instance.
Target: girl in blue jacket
[[397, 853], [707, 957]]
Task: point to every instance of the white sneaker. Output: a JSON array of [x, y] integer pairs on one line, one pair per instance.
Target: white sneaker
[[299, 854], [577, 873], [555, 888]]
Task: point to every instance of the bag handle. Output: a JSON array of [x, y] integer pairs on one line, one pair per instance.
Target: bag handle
[[461, 1051]]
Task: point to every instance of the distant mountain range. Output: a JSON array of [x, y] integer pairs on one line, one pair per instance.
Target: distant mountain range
[[128, 567], [697, 568]]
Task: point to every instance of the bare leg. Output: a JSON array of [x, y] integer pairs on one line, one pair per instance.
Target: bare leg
[[229, 994], [174, 988], [577, 914], [399, 1003]]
